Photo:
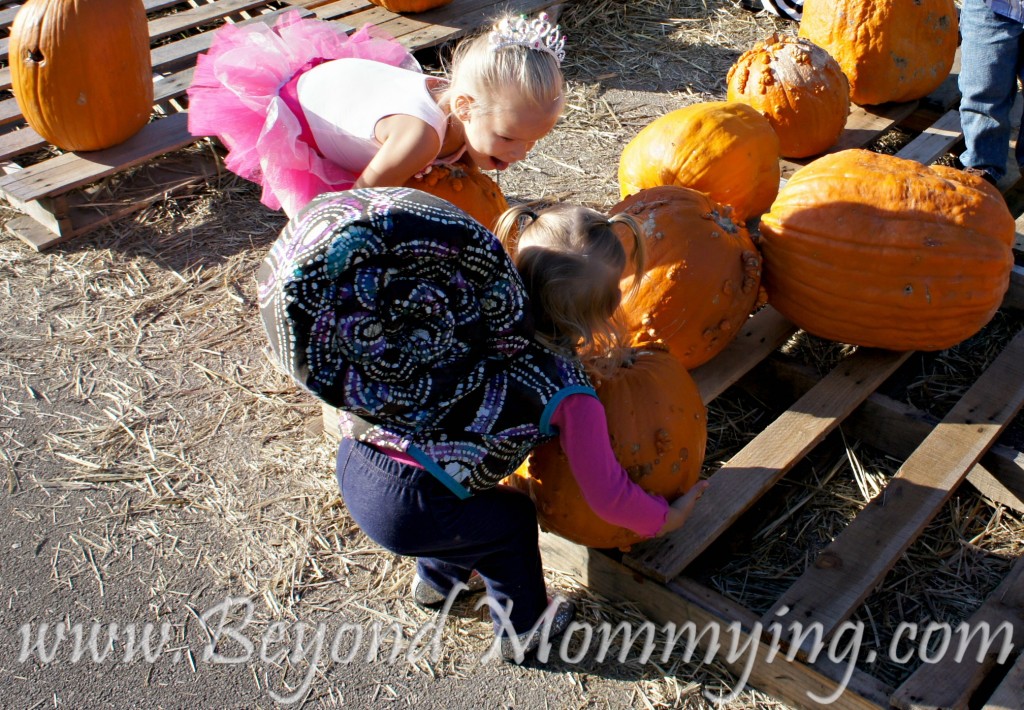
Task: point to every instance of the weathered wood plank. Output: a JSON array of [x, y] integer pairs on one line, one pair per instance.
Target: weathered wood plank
[[763, 333], [209, 13], [8, 13], [683, 601], [935, 141], [952, 680], [70, 170], [893, 427], [864, 124], [850, 567], [754, 469], [1010, 693]]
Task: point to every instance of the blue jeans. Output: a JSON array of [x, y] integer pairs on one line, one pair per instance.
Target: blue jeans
[[409, 512], [991, 60]]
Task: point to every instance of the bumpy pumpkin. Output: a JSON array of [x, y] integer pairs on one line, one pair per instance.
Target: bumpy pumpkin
[[466, 187], [81, 71], [726, 149], [703, 273], [875, 250], [890, 50], [658, 428], [410, 5], [798, 87]]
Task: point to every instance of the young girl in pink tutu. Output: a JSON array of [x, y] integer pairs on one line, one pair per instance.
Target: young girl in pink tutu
[[304, 108]]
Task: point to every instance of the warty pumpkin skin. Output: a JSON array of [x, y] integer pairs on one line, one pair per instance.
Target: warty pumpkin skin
[[658, 428], [890, 50], [871, 249], [81, 70], [410, 5], [466, 187], [703, 273], [726, 149], [798, 87]]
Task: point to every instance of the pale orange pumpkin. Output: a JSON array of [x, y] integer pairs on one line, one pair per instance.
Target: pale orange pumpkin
[[798, 87], [81, 70], [871, 249], [726, 149], [466, 187], [702, 278], [658, 428], [890, 50], [410, 5]]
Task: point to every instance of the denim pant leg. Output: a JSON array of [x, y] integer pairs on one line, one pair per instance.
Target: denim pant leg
[[989, 66], [407, 511]]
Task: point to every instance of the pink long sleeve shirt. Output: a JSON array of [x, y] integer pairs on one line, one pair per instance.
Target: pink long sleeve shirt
[[606, 487]]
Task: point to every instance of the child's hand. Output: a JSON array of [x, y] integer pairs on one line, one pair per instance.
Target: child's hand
[[680, 509]]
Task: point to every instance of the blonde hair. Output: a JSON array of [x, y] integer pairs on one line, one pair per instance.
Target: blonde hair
[[571, 260], [477, 70]]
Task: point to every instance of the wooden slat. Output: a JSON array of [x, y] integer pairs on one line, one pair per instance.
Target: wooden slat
[[1010, 693], [763, 333], [683, 601], [951, 681], [893, 427], [850, 567], [865, 124], [168, 25], [935, 141], [7, 14], [1014, 297], [71, 170], [754, 469]]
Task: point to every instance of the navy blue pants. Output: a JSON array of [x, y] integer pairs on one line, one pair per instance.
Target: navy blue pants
[[407, 511]]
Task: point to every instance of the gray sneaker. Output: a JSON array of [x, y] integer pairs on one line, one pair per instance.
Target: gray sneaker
[[429, 598], [529, 641]]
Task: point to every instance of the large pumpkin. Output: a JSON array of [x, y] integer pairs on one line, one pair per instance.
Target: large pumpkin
[[726, 149], [890, 50], [466, 187], [702, 278], [658, 428], [798, 87], [410, 5], [875, 250], [80, 70]]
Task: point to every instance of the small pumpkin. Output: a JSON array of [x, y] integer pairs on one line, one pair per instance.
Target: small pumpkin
[[890, 50], [658, 428], [81, 71], [870, 249], [703, 273], [798, 87], [723, 148], [410, 5], [466, 187]]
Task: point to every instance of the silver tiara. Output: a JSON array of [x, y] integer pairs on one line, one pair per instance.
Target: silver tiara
[[537, 34]]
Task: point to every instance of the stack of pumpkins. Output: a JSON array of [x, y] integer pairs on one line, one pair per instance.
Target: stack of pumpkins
[[857, 247]]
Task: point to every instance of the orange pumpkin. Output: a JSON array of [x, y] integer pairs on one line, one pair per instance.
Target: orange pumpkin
[[81, 71], [726, 149], [798, 87], [702, 278], [890, 50], [466, 187], [410, 5], [658, 428], [875, 250]]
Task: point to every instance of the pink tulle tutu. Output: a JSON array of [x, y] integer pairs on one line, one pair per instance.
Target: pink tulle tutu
[[242, 93]]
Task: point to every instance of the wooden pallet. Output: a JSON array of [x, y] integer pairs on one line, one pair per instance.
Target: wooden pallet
[[62, 195], [937, 456]]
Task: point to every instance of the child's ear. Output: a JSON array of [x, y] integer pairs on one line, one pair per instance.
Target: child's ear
[[462, 106]]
